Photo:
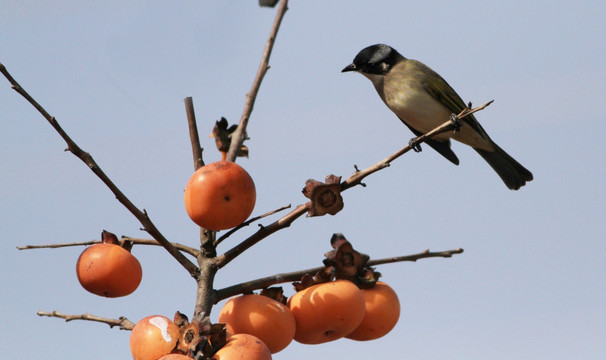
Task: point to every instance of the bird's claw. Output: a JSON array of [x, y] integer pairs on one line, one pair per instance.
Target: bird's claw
[[456, 122], [415, 145]]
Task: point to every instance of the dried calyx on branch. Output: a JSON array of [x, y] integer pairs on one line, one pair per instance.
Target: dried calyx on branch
[[342, 263], [223, 134], [199, 339], [325, 196]]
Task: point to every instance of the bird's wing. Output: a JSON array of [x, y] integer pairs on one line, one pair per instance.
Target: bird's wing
[[440, 90], [443, 147]]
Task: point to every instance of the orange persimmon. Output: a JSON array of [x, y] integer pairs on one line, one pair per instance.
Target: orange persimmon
[[175, 357], [327, 311], [260, 316], [382, 313], [243, 347], [220, 195], [108, 270], [153, 337]]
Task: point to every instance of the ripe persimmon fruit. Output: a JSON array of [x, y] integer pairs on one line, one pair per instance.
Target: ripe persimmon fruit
[[260, 316], [382, 313], [327, 311], [220, 195], [243, 346], [175, 357], [153, 337], [108, 270]]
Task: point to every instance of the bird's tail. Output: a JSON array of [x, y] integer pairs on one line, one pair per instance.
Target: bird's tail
[[513, 174]]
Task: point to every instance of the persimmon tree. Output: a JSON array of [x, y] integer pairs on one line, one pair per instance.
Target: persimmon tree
[[198, 337]]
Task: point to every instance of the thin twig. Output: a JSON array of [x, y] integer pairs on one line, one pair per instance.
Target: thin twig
[[193, 133], [248, 222], [265, 282], [180, 247], [122, 322], [357, 177], [261, 234], [238, 136], [142, 216]]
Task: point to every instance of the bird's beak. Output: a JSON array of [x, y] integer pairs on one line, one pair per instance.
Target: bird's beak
[[351, 67]]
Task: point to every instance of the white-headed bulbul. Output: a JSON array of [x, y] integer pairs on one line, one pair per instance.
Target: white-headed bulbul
[[423, 100]]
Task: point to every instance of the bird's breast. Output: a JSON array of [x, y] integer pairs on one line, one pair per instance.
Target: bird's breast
[[414, 105]]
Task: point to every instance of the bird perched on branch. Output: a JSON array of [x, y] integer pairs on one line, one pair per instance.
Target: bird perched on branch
[[423, 100]]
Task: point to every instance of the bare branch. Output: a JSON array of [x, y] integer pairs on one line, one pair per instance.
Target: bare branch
[[55, 246], [180, 247], [239, 135], [265, 282], [414, 257], [122, 322], [261, 234], [142, 216], [193, 133], [248, 222]]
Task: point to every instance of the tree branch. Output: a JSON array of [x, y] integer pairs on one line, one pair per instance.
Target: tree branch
[[122, 322], [246, 223], [268, 281], [180, 247], [237, 138], [193, 133], [142, 216], [261, 234]]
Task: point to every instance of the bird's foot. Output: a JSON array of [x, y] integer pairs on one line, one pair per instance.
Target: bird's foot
[[456, 122], [415, 145]]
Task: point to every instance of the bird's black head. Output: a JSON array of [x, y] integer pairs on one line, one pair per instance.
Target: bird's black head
[[375, 59]]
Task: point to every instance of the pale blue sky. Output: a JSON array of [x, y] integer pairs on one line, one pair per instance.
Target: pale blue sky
[[531, 283]]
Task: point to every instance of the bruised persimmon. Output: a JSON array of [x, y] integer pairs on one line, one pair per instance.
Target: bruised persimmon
[[243, 347], [260, 316], [220, 195], [382, 313], [108, 270], [327, 311], [153, 337]]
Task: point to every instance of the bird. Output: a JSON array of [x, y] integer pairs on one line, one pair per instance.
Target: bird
[[423, 100]]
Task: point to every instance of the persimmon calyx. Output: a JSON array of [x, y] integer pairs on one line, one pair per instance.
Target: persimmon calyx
[[325, 197], [222, 135], [199, 339]]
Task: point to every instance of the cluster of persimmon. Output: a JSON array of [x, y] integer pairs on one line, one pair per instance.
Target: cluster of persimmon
[[255, 326], [317, 314], [156, 337], [344, 301]]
